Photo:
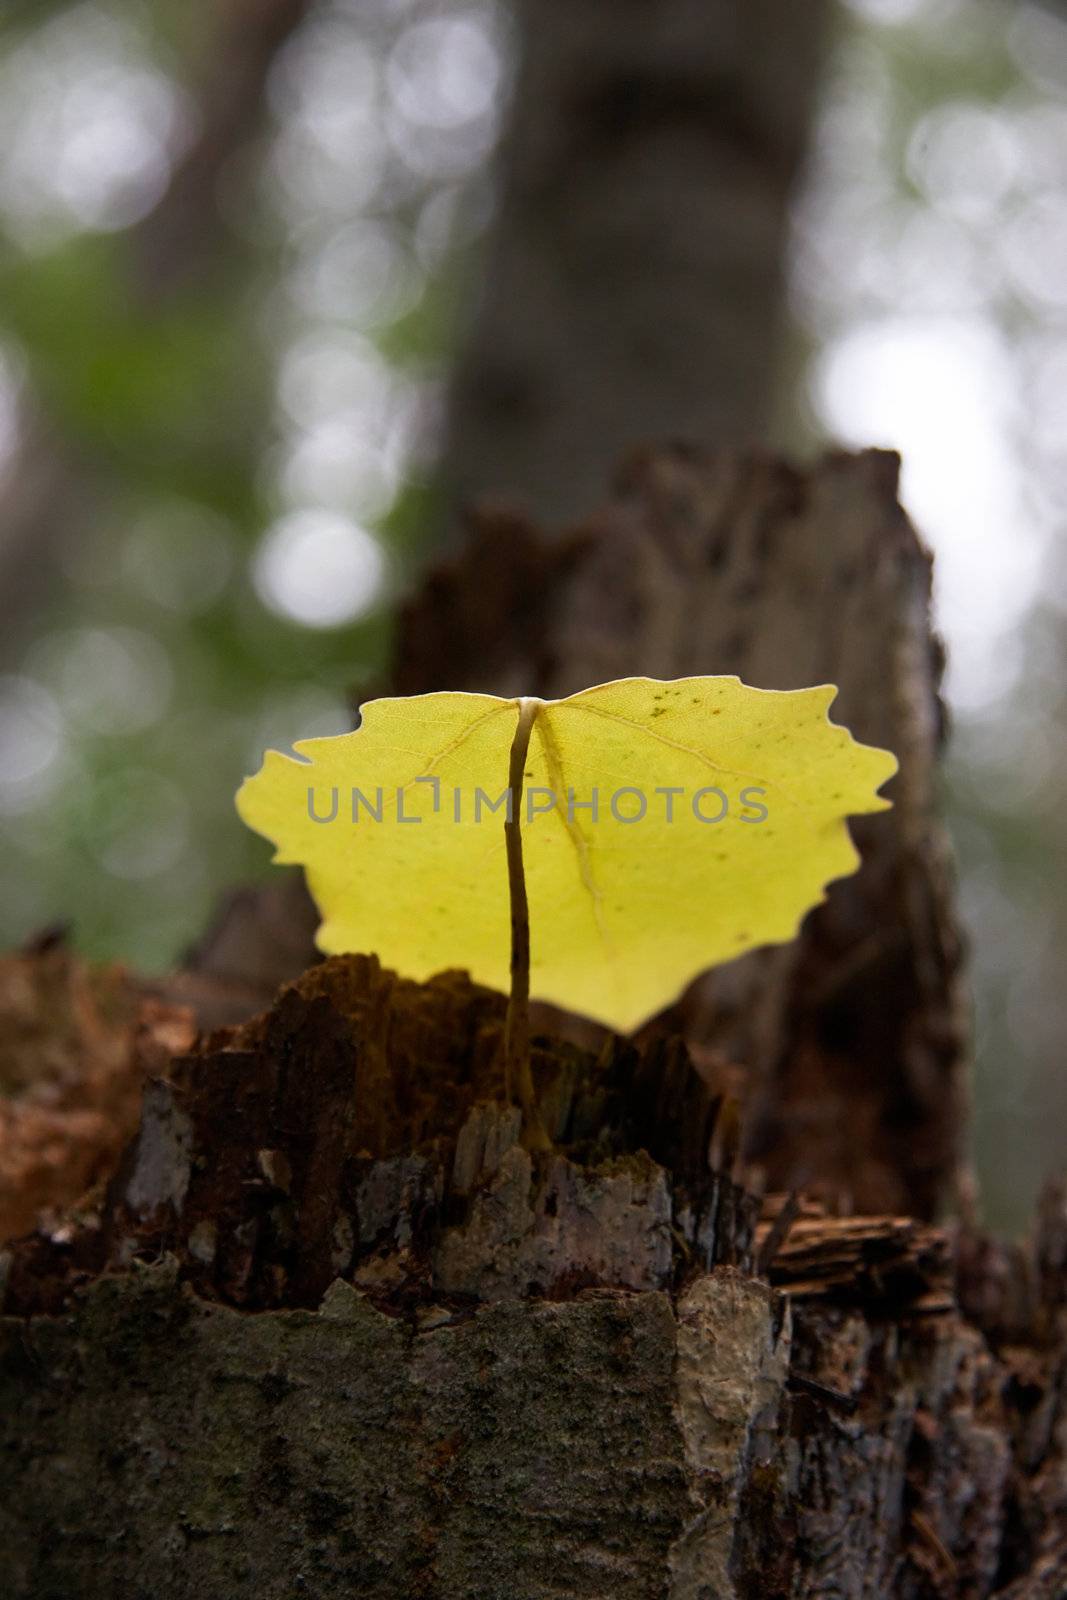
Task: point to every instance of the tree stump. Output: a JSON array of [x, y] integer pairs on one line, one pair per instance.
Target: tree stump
[[854, 1040], [333, 1330]]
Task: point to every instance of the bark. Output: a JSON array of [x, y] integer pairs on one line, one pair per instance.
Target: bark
[[333, 1330], [634, 283]]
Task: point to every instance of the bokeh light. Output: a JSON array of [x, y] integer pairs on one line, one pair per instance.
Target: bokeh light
[[107, 681], [31, 740], [319, 568], [89, 128]]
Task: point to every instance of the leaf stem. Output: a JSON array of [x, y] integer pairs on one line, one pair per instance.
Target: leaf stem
[[517, 1024]]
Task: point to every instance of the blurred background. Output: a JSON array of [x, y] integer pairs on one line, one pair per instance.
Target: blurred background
[[239, 249]]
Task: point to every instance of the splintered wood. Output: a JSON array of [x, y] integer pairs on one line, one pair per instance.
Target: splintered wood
[[879, 1261]]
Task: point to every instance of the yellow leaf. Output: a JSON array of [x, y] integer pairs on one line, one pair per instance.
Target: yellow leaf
[[627, 906]]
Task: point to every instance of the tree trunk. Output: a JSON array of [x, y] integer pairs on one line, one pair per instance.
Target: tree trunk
[[634, 287]]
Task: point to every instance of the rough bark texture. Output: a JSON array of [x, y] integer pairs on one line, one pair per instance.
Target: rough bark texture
[[379, 1459], [634, 283], [344, 1129], [333, 1331]]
